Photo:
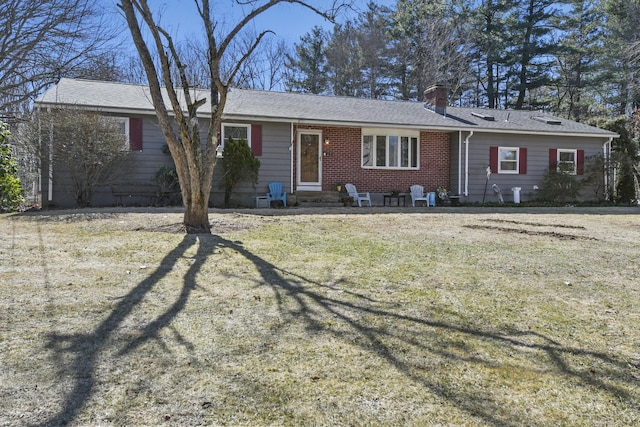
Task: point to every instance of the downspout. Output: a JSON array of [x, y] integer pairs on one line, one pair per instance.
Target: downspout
[[606, 152], [50, 165], [459, 162], [291, 171], [466, 164], [50, 187]]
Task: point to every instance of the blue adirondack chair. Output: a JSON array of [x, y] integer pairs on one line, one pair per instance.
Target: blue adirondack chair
[[276, 193]]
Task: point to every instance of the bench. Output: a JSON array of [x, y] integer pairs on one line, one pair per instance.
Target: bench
[[149, 190]]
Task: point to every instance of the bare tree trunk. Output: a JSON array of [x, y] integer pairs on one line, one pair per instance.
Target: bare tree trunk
[[194, 164]]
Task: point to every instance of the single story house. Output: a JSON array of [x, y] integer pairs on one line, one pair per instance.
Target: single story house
[[312, 142]]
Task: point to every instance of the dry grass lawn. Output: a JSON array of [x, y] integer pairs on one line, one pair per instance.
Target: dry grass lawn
[[383, 316]]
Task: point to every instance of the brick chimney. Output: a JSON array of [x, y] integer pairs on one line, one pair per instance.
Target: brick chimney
[[435, 99]]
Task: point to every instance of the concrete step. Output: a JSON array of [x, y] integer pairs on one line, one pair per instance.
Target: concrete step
[[319, 198]]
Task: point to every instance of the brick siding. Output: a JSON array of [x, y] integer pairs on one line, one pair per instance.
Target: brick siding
[[343, 162]]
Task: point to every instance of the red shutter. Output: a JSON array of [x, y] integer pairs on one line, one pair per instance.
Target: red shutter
[[553, 159], [135, 134], [493, 159], [580, 162], [523, 161], [256, 140]]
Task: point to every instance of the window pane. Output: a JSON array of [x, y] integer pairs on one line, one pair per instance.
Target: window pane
[[404, 151], [566, 156], [381, 151], [414, 152], [508, 154], [235, 132], [120, 124], [393, 151], [367, 143], [508, 166]]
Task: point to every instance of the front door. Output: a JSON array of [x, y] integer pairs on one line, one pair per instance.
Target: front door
[[310, 160]]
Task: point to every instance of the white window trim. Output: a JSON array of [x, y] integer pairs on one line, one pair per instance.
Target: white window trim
[[236, 125], [575, 159], [509, 171], [399, 133]]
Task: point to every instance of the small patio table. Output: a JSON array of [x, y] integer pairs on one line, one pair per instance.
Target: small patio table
[[397, 198]]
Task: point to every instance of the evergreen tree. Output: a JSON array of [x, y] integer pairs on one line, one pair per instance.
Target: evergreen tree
[[373, 40], [488, 23], [10, 189], [306, 71], [622, 61], [345, 62], [529, 58], [435, 42], [578, 62], [238, 164]]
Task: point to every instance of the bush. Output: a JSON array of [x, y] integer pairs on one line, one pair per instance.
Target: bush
[[238, 164], [167, 179], [10, 188], [559, 186]]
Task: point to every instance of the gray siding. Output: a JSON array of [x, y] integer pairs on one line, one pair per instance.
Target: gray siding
[[146, 164], [275, 165], [537, 163]]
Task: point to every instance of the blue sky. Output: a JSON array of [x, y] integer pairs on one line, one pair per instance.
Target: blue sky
[[288, 21]]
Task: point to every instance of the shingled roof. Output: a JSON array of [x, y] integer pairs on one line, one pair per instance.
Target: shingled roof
[[256, 105]]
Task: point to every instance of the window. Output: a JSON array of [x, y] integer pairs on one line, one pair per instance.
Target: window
[[122, 123], [567, 161], [131, 128], [384, 149], [236, 131], [508, 159]]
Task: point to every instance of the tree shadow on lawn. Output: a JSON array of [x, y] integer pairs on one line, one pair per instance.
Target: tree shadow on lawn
[[311, 303], [85, 349]]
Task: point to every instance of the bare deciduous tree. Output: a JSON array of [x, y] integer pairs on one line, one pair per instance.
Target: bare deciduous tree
[[88, 150], [39, 41], [194, 163]]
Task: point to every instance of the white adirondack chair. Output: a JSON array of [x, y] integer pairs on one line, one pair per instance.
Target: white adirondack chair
[[358, 197], [417, 194]]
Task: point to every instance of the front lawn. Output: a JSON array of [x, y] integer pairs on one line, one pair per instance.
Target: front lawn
[[309, 317]]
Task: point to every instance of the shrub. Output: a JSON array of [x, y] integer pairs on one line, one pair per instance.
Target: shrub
[[559, 186], [10, 188], [238, 164]]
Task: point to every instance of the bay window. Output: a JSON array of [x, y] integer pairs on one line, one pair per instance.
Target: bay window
[[390, 149]]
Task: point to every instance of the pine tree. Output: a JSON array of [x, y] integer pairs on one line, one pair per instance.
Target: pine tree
[[578, 65], [345, 62], [306, 71], [488, 22], [373, 35], [528, 59]]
